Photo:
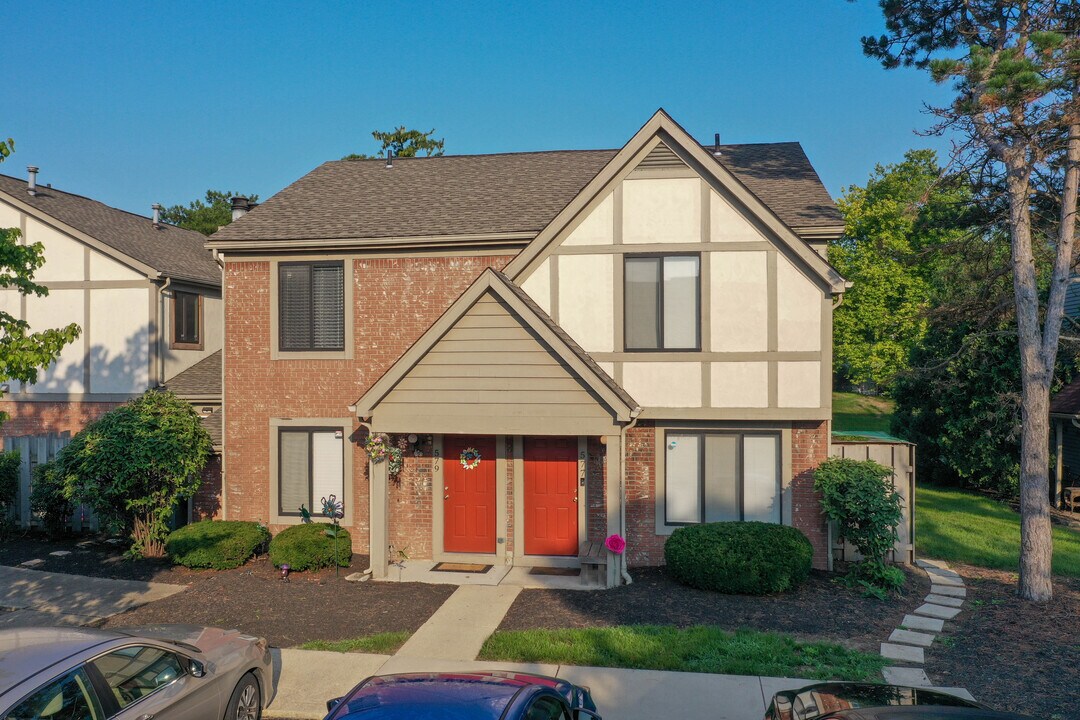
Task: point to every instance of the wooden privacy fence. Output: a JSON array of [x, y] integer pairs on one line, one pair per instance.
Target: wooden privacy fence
[[34, 450], [900, 456]]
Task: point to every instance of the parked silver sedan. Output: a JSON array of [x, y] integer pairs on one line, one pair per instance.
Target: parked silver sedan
[[163, 672]]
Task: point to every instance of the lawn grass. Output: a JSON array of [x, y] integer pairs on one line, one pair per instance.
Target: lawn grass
[[852, 411], [696, 649], [384, 643], [962, 526]]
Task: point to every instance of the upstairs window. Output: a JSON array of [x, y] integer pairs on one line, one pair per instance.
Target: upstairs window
[[662, 307], [187, 319], [312, 306]]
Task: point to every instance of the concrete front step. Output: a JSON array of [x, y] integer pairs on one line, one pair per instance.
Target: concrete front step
[[918, 622], [950, 590], [903, 653], [908, 637], [937, 611], [913, 677], [945, 600]]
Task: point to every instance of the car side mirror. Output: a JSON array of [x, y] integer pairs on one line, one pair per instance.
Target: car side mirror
[[333, 703], [196, 668]]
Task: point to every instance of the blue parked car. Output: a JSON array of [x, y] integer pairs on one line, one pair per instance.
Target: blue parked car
[[464, 696]]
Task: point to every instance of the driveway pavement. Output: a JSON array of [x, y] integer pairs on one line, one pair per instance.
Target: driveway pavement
[[40, 598]]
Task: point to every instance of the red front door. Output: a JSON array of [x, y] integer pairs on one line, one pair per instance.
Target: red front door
[[469, 496], [551, 496]]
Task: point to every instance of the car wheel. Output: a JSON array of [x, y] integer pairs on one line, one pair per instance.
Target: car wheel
[[246, 700]]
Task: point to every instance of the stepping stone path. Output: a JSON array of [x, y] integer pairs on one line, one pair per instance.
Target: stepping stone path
[[60, 553], [36, 562], [908, 643]]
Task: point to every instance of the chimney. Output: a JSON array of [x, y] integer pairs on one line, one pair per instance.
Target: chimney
[[716, 145], [389, 158], [240, 207], [156, 207], [31, 181]]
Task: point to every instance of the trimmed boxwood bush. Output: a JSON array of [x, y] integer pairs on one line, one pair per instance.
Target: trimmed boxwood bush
[[307, 547], [752, 558], [216, 544]]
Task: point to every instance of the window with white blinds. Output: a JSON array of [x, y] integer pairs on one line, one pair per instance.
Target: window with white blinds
[[311, 466], [661, 305], [311, 313], [716, 477]]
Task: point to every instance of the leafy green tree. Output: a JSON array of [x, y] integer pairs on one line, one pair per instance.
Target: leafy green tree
[[135, 463], [893, 227], [22, 352], [1015, 68], [403, 143], [204, 216]]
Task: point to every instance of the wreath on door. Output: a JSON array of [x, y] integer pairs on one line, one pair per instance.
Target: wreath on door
[[470, 458]]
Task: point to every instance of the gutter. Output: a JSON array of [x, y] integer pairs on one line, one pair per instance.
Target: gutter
[[161, 330], [634, 415]]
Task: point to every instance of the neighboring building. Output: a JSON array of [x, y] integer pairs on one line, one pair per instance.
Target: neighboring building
[[632, 340], [1065, 410], [147, 296], [200, 385]]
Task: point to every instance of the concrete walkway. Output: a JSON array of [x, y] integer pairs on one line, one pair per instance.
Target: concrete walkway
[[459, 628], [43, 598]]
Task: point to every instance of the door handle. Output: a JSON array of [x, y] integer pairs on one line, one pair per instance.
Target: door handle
[[575, 498]]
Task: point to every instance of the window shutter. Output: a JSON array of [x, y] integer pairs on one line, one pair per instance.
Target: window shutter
[[294, 317], [294, 482], [328, 291]]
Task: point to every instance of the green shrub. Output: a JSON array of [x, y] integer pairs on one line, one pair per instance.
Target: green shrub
[[220, 544], [859, 497], [49, 500], [308, 547], [752, 558], [9, 479]]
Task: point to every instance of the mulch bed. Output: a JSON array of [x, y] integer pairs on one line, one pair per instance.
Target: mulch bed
[[1012, 654], [821, 609], [312, 606]]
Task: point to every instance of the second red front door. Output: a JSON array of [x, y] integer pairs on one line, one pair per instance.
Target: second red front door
[[469, 495], [551, 496]]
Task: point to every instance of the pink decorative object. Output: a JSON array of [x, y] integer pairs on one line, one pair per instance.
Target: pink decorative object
[[615, 544]]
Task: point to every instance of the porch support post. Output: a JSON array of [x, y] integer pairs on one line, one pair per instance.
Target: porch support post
[[379, 519], [1059, 432], [613, 502]]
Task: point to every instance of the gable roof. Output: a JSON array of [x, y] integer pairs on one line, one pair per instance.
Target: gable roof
[[201, 380], [170, 251], [504, 196], [622, 406], [662, 129]]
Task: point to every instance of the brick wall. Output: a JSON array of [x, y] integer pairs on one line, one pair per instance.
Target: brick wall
[[643, 545], [809, 448], [395, 301], [410, 499], [40, 418], [206, 505]]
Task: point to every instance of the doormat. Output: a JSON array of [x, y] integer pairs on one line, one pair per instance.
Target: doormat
[[564, 572], [461, 567]]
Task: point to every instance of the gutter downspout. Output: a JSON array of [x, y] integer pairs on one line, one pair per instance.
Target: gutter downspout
[[622, 489], [161, 331], [371, 499]]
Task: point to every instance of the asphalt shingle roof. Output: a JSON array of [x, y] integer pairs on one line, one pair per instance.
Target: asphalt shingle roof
[[501, 193], [173, 251], [203, 379]]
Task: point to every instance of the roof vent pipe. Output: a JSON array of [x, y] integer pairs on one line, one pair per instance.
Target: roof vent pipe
[[389, 158], [31, 180], [716, 145], [156, 207], [240, 207]]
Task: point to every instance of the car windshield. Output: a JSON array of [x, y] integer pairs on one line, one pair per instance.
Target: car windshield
[[813, 702]]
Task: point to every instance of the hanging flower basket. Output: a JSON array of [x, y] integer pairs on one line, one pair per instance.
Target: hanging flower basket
[[395, 461], [615, 544], [376, 447], [470, 458]]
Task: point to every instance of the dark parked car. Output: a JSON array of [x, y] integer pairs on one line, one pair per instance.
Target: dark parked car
[[165, 672], [464, 696], [867, 701]]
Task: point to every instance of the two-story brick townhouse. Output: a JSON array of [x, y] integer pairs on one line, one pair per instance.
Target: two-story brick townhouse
[[567, 345], [147, 296]]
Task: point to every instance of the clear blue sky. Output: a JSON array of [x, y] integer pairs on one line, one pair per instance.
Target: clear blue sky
[[137, 102]]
